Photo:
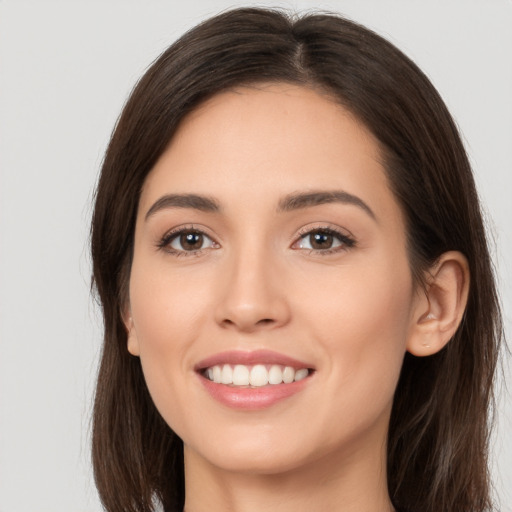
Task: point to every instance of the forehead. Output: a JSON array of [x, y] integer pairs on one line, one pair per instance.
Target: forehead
[[259, 143]]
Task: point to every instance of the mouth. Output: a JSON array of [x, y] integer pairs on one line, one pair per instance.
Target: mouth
[[255, 376], [253, 380]]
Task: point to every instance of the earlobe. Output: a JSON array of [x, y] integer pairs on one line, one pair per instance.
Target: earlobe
[[439, 310]]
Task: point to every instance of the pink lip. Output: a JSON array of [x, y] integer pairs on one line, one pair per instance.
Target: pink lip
[[250, 358], [251, 398]]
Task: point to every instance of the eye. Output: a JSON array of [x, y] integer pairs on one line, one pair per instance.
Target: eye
[[186, 241], [325, 240]]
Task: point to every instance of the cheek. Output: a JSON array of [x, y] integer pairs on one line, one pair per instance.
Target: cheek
[[166, 325], [165, 307], [365, 321]]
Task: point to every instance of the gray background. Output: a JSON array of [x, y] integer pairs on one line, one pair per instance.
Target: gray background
[[66, 69]]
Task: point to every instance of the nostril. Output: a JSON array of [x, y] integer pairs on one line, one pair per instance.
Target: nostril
[[265, 321]]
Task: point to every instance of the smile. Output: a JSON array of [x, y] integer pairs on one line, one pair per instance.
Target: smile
[[253, 380], [255, 376]]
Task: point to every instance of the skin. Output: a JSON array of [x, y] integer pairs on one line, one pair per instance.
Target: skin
[[351, 313]]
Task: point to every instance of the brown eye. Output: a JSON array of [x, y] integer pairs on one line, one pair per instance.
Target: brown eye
[[190, 241], [321, 240]]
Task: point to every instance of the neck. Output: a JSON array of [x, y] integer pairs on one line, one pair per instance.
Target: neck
[[336, 482]]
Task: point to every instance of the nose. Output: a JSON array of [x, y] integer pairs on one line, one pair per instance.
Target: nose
[[252, 294]]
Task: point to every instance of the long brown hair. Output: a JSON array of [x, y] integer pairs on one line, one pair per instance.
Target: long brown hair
[[439, 429]]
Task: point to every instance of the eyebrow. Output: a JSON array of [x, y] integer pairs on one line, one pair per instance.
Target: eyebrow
[[194, 201], [289, 203], [307, 199]]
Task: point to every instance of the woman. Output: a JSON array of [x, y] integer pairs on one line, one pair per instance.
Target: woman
[[298, 298]]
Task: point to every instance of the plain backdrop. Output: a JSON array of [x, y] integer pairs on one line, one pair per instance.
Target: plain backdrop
[[66, 69]]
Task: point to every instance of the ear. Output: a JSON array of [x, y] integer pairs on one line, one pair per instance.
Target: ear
[[132, 340], [440, 306]]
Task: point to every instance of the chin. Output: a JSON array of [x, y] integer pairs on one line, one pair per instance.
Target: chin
[[260, 461], [263, 450]]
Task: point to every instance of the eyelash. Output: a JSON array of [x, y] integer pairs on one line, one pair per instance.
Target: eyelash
[[170, 236], [346, 242]]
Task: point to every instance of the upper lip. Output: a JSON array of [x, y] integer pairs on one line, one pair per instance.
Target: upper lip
[[250, 358]]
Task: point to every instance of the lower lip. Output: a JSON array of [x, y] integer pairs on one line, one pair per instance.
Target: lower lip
[[252, 398]]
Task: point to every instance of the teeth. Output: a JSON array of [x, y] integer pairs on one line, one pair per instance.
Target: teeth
[[301, 374], [256, 376], [275, 375], [217, 374], [227, 374], [288, 375], [241, 375]]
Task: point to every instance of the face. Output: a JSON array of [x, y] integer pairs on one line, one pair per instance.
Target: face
[[269, 247]]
